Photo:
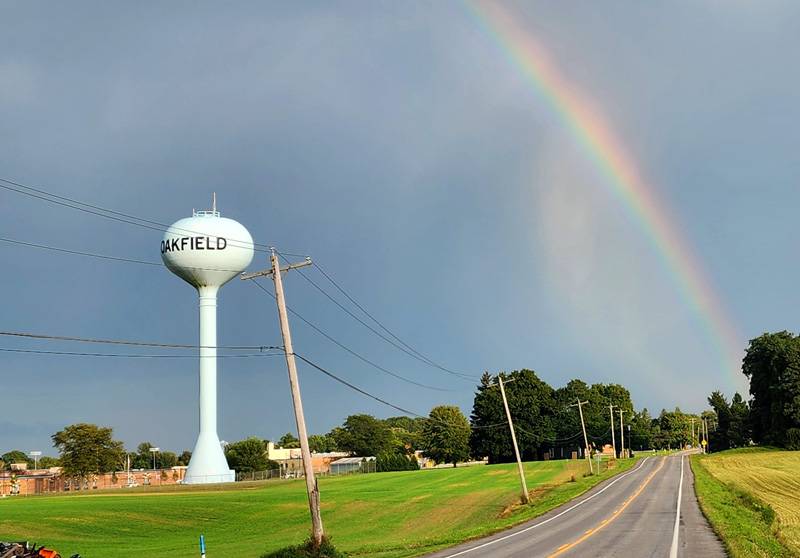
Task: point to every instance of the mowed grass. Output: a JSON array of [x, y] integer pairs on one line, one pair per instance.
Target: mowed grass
[[752, 499], [388, 515]]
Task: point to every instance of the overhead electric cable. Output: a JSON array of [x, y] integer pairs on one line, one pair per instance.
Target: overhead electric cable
[[374, 319], [106, 213], [299, 316], [349, 350], [117, 355], [381, 400], [379, 334], [137, 343], [102, 256]]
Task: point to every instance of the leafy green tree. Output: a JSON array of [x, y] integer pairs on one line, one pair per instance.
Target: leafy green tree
[[718, 437], [393, 461], [87, 449], [167, 459], [288, 441], [15, 456], [184, 458], [531, 402], [596, 412], [321, 443], [445, 436], [772, 363], [673, 429], [731, 427], [642, 433], [248, 455], [364, 436], [739, 432], [45, 462]]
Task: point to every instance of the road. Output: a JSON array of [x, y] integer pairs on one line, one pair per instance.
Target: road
[[650, 510]]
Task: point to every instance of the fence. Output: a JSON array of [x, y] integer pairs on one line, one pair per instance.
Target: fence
[[286, 472]]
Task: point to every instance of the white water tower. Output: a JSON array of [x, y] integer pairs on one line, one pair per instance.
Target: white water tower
[[207, 251]]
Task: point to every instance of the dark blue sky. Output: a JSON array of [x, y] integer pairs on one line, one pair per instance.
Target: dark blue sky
[[395, 145]]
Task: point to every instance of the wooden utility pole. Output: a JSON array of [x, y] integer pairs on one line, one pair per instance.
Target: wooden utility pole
[[525, 499], [613, 440], [621, 434], [579, 405], [308, 469], [692, 432]]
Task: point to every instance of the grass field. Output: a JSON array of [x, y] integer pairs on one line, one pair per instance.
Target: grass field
[[752, 499], [388, 515]]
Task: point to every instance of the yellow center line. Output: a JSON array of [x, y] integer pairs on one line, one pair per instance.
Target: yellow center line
[[564, 547]]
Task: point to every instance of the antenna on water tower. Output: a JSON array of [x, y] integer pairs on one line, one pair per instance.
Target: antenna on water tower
[[207, 251]]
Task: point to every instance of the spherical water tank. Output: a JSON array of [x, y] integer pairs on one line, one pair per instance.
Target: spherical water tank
[[207, 250]]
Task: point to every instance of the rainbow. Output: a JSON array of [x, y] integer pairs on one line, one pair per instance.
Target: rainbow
[[622, 178]]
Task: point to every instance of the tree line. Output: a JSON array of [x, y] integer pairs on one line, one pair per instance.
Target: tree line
[[772, 415], [547, 424]]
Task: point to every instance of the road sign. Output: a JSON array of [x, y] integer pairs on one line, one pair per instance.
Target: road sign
[[704, 443]]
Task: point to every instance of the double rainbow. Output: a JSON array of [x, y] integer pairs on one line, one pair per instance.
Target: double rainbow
[[622, 177]]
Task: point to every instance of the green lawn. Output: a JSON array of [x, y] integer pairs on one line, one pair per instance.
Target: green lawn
[[390, 515], [751, 497]]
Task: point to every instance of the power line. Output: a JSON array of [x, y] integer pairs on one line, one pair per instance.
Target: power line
[[136, 343], [158, 264], [381, 325], [381, 400], [78, 252], [102, 256], [346, 348], [106, 213], [117, 355], [379, 334]]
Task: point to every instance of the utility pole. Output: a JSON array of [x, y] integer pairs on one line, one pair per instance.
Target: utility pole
[[613, 441], [514, 440], [311, 481], [692, 431], [579, 405], [621, 433]]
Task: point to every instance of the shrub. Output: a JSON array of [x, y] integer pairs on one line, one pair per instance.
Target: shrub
[[308, 549], [793, 439]]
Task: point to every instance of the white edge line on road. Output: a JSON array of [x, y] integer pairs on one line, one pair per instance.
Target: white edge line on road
[[548, 520], [673, 551]]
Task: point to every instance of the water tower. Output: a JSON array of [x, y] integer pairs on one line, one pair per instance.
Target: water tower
[[207, 251]]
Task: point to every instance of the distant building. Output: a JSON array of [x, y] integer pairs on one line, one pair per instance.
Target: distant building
[[291, 460]]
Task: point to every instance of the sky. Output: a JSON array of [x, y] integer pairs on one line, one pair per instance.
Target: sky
[[403, 149]]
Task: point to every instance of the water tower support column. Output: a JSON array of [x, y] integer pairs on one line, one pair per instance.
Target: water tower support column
[[208, 360]]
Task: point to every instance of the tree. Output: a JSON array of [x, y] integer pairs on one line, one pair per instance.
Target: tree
[[673, 429], [772, 363], [248, 455], [45, 462], [184, 458], [739, 432], [87, 449], [718, 437], [321, 443], [531, 402], [167, 459], [364, 436], [14, 456], [142, 458], [642, 433], [288, 441], [445, 436]]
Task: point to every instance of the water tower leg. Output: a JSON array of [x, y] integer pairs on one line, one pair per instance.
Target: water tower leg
[[208, 463]]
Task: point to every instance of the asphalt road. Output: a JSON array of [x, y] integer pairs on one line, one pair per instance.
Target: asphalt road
[[650, 510]]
